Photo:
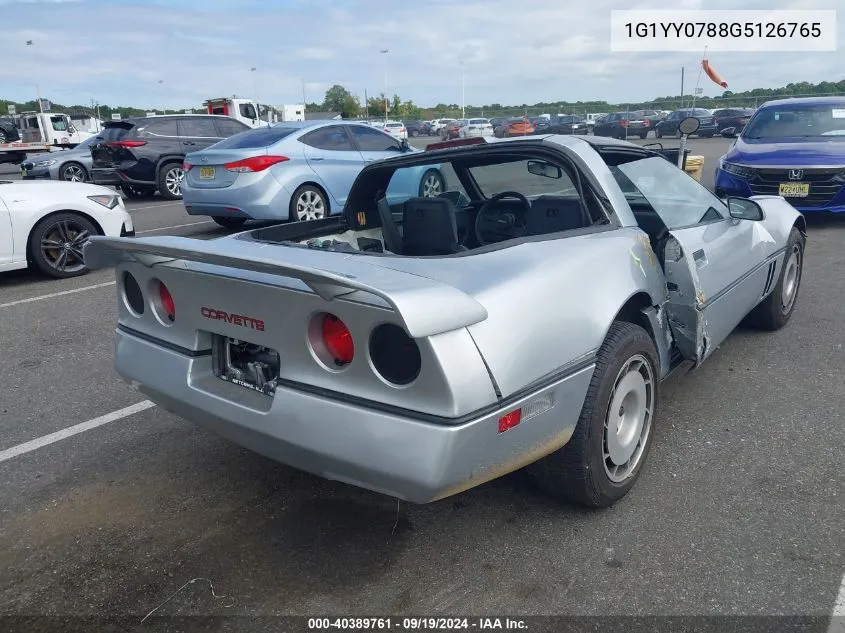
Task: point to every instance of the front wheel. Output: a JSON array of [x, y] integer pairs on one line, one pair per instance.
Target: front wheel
[[432, 184], [604, 457], [55, 244], [73, 172], [776, 309], [170, 181]]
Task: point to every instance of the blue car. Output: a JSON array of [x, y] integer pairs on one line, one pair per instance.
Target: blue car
[[793, 148], [293, 171]]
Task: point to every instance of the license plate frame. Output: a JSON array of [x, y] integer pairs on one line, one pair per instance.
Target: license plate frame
[[794, 189], [224, 362], [208, 173]]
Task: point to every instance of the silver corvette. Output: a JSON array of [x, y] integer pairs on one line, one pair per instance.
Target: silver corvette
[[525, 318]]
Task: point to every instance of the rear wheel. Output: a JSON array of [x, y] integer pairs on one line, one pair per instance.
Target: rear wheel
[[170, 181], [230, 223], [2, 136], [776, 309], [137, 192], [73, 172], [432, 184], [55, 244], [308, 203], [604, 457]]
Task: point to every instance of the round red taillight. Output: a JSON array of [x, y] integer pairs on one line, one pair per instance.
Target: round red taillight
[[338, 340], [167, 301]]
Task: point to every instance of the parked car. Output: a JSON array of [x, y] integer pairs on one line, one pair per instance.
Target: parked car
[[292, 171], [73, 165], [563, 124], [142, 155], [476, 127], [517, 126], [621, 125], [414, 128], [45, 224], [669, 125], [735, 118], [438, 125], [650, 117], [793, 148], [416, 349], [396, 129], [452, 130], [593, 118]]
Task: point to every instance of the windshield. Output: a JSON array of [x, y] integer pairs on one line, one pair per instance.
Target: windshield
[[59, 123], [798, 121]]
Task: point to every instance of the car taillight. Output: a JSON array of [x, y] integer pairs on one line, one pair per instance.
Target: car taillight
[[255, 163], [125, 143], [395, 355], [403, 131], [186, 167], [624, 123], [646, 122], [167, 302], [338, 340]]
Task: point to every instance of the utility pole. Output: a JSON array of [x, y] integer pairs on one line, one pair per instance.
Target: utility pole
[[161, 81], [463, 92], [384, 52], [37, 87]]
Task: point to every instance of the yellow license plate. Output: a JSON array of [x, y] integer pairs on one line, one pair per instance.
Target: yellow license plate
[[794, 189], [207, 173]]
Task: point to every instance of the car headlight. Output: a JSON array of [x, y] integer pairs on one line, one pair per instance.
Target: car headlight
[[109, 202], [44, 163], [736, 170]]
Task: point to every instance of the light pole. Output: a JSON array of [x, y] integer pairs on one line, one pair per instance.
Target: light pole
[[161, 81], [37, 87], [463, 92], [384, 52]]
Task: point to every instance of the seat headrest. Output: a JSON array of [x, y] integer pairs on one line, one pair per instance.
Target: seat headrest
[[429, 227], [550, 214]]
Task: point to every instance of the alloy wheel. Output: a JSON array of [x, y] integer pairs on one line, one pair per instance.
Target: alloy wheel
[[62, 246]]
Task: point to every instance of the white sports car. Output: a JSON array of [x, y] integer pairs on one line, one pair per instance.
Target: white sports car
[[45, 224]]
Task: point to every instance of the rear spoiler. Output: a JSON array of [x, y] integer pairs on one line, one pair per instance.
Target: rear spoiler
[[425, 306]]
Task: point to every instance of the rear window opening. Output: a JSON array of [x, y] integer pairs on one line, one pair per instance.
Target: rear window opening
[[259, 137], [116, 131]]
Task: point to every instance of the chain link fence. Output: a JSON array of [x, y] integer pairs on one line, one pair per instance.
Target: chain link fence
[[711, 103]]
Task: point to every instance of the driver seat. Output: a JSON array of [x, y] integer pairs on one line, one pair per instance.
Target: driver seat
[[552, 214], [429, 227]]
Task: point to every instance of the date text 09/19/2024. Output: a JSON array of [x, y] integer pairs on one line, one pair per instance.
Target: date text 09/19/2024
[[416, 624]]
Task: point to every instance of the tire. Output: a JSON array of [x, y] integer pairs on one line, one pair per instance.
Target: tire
[[678, 133], [306, 201], [658, 133], [415, 134], [3, 136], [432, 184], [73, 172], [578, 472], [170, 181], [230, 223], [643, 136], [772, 313], [59, 230]]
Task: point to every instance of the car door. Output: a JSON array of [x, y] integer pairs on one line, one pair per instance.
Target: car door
[[329, 151], [196, 133], [717, 268], [7, 242]]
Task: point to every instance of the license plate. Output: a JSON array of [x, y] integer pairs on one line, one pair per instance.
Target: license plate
[[795, 189], [208, 173]]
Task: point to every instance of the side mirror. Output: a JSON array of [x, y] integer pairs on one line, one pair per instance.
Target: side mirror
[[542, 168], [728, 132], [405, 145], [689, 125], [744, 209]]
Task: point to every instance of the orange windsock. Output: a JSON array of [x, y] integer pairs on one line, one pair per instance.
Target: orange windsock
[[713, 74]]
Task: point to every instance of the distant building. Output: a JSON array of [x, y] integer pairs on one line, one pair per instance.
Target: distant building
[[85, 122]]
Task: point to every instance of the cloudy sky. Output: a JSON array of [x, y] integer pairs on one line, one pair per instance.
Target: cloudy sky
[[176, 53]]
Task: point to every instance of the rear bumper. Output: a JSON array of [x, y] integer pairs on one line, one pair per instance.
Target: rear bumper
[[109, 176], [386, 452]]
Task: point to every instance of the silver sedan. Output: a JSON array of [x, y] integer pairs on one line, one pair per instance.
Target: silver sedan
[[73, 165]]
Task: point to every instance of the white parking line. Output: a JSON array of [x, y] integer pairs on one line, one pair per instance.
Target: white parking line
[[175, 226], [32, 445], [153, 206], [56, 294], [837, 619]]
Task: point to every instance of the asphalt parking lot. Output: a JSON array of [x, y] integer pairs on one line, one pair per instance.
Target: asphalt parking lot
[[739, 511]]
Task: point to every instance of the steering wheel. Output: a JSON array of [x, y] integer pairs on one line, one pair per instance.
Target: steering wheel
[[493, 225]]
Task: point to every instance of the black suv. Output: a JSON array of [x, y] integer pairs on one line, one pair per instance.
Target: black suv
[[142, 155]]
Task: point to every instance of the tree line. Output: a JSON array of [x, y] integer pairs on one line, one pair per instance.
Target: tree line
[[340, 100]]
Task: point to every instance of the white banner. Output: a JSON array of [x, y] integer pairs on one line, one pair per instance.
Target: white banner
[[722, 31]]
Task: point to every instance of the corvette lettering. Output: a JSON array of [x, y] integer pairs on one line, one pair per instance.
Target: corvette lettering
[[235, 319]]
